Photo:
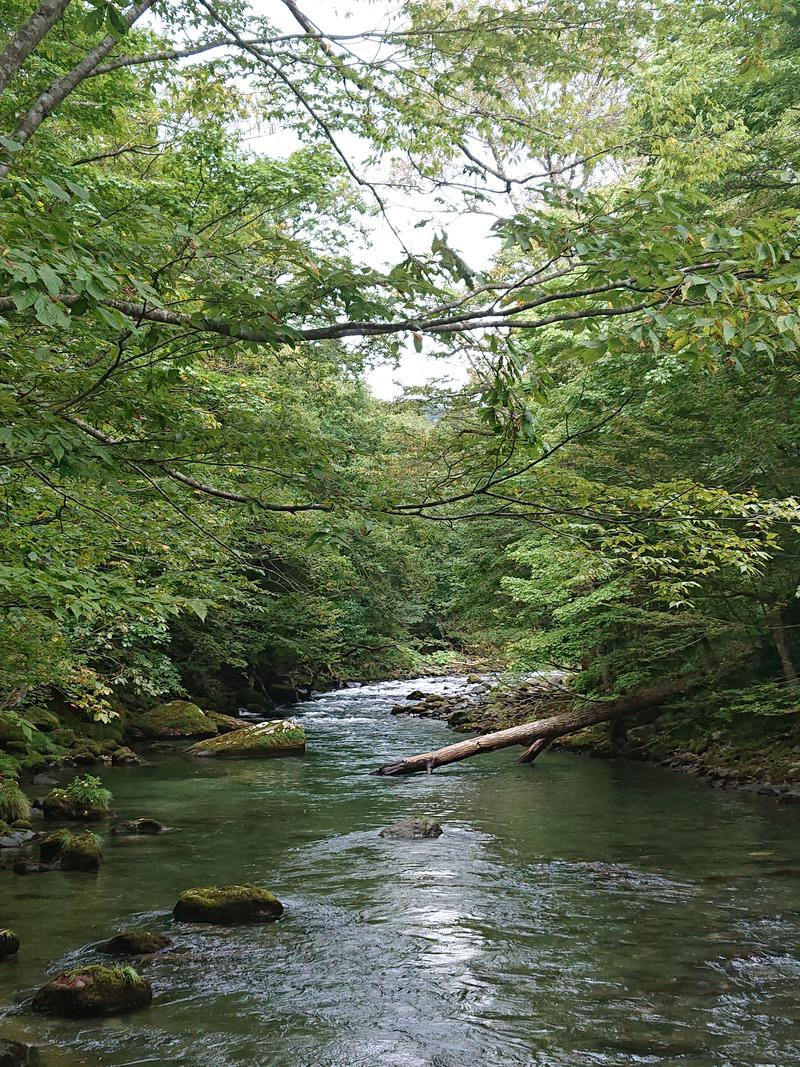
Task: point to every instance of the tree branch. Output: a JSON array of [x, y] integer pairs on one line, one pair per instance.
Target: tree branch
[[28, 36]]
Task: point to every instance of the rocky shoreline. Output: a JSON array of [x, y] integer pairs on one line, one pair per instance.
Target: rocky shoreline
[[748, 755]]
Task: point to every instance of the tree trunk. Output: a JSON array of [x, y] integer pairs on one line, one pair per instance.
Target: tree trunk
[[540, 730], [532, 751], [28, 36], [778, 630]]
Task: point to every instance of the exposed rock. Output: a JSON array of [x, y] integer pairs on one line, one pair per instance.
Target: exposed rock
[[177, 718], [93, 990], [410, 829], [134, 943], [15, 1054], [44, 779], [9, 943], [30, 867], [225, 724], [474, 679], [459, 718], [272, 738], [417, 694], [137, 827], [59, 806], [51, 847], [125, 757], [16, 838], [225, 904], [82, 853]]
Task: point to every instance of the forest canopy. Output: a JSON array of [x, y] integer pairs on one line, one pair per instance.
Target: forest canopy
[[201, 495]]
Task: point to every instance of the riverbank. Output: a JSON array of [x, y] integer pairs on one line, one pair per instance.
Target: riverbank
[[708, 737]]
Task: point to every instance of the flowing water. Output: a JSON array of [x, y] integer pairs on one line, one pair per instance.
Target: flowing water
[[574, 912]]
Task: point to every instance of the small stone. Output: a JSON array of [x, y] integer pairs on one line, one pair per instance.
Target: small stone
[[16, 838], [9, 943], [125, 757], [30, 867], [417, 694], [94, 990], [412, 829], [15, 1054], [137, 827], [134, 943], [44, 779], [223, 904]]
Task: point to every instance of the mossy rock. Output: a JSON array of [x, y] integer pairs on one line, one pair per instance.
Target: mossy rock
[[223, 904], [138, 827], [225, 724], [11, 729], [59, 806], [52, 847], [86, 991], [134, 943], [272, 738], [177, 718], [42, 719], [412, 829], [82, 853], [123, 756], [9, 943]]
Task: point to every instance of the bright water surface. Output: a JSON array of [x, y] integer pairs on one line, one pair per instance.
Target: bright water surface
[[575, 912]]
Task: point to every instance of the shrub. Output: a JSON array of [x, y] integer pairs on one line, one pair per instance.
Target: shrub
[[14, 805], [88, 791]]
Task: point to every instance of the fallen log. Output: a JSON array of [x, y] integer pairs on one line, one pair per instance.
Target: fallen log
[[546, 730]]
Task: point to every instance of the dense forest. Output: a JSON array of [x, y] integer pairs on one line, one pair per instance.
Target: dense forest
[[200, 495]]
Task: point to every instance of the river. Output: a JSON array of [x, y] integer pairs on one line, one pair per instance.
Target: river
[[575, 912]]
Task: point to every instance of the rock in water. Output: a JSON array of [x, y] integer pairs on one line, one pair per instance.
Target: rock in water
[[15, 1054], [59, 806], [223, 904], [275, 737], [410, 829], [177, 718], [9, 943], [134, 943], [94, 991], [136, 827], [82, 853], [225, 723], [125, 757]]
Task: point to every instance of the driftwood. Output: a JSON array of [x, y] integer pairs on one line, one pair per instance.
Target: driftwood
[[537, 735]]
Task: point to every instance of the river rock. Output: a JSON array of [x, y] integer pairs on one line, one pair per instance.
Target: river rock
[[225, 724], [134, 943], [417, 694], [15, 1054], [44, 779], [82, 853], [9, 943], [125, 757], [223, 904], [59, 806], [176, 718], [30, 867], [137, 827], [274, 737], [93, 990], [410, 829], [16, 838]]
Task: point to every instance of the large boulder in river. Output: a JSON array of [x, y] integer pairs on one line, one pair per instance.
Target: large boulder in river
[[225, 724], [275, 737], [410, 829], [223, 904], [177, 718], [93, 990], [134, 943]]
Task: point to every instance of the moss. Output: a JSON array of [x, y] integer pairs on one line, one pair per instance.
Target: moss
[[9, 943], [34, 763], [72, 805], [225, 724], [270, 738], [177, 718], [53, 845], [11, 728], [125, 757], [9, 766], [227, 904], [95, 990], [42, 719], [82, 853], [13, 802], [134, 943]]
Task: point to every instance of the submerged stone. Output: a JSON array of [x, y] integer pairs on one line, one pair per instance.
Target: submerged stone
[[30, 867], [9, 943], [138, 827], [223, 904], [271, 738], [134, 943], [409, 829], [15, 1054], [177, 718], [93, 990]]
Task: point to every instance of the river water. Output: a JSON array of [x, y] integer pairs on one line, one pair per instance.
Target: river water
[[575, 912]]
